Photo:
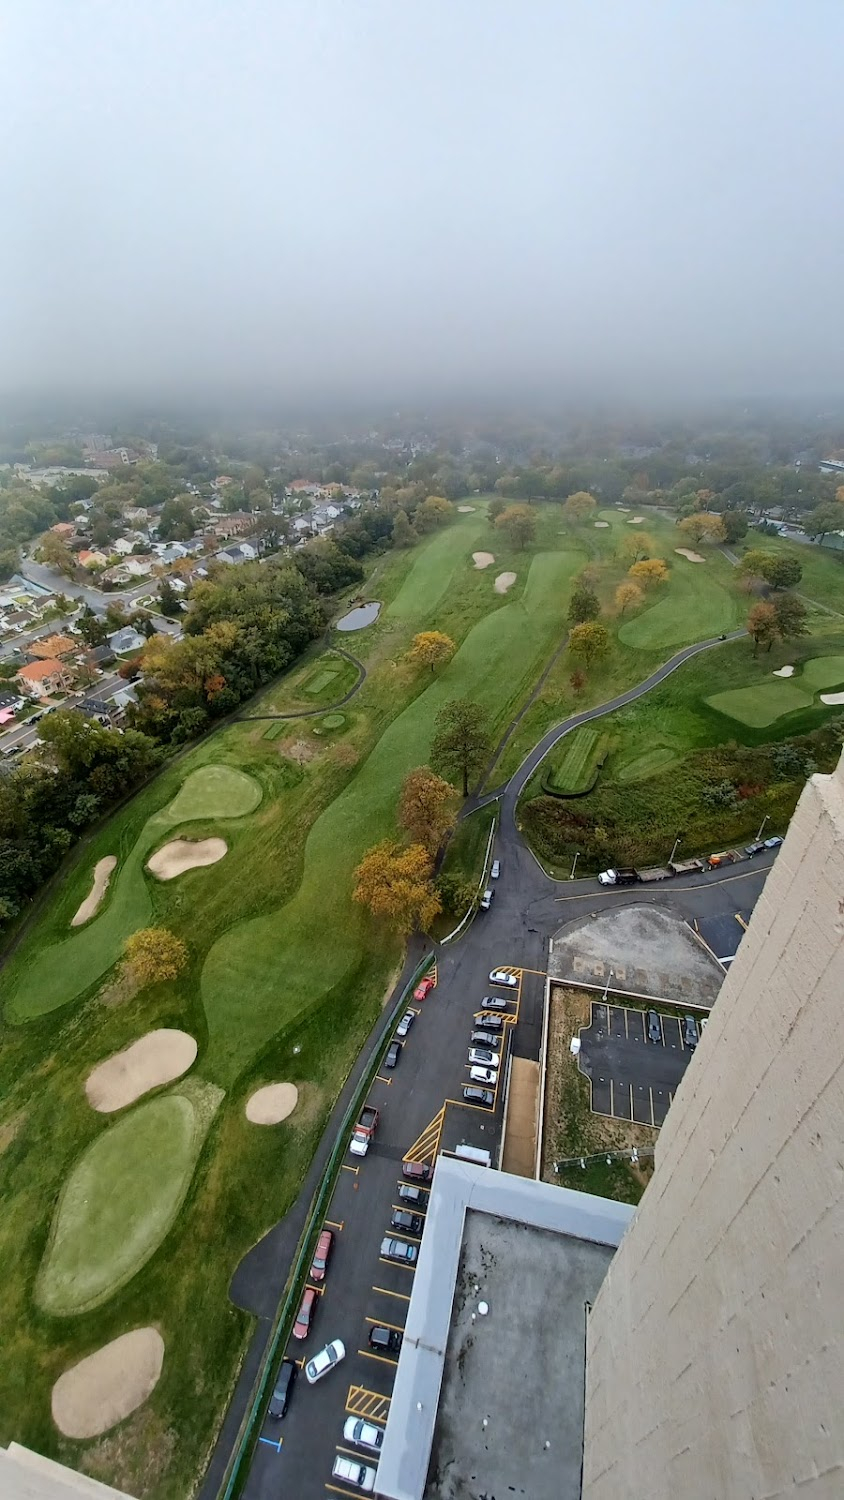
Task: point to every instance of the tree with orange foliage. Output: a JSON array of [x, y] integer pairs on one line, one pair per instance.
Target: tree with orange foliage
[[396, 885]]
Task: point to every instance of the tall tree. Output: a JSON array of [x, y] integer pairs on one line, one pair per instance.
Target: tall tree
[[790, 613], [56, 554], [637, 544], [403, 533], [649, 573], [762, 625], [461, 742], [590, 642], [426, 807], [431, 648], [584, 605], [628, 596], [396, 885], [433, 512], [580, 507], [822, 519], [518, 523], [703, 526]]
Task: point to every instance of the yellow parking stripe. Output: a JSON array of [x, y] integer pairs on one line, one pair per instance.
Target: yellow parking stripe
[[370, 1404], [367, 1354], [387, 1293], [382, 1323], [426, 1146]]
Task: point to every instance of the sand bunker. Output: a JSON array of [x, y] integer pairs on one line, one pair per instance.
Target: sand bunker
[[156, 1058], [783, 672], [623, 507], [102, 876], [691, 556], [185, 854], [274, 1102], [600, 523], [483, 559], [634, 520], [832, 697], [108, 1385], [465, 509], [503, 582]]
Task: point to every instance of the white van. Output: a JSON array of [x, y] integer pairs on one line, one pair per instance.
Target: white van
[[474, 1153]]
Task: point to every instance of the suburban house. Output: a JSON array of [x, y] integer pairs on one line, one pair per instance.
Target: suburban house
[[64, 529], [99, 656], [91, 559], [123, 546], [52, 647], [239, 522], [41, 678], [126, 639], [241, 553]]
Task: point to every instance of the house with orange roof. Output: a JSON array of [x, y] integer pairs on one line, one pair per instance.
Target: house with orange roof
[[91, 559], [52, 647], [41, 678]]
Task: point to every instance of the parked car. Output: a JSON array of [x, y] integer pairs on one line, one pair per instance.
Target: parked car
[[399, 1250], [388, 1340], [690, 1036], [302, 1326], [484, 1057], [654, 1027], [423, 988], [416, 1171], [755, 848], [488, 1021], [503, 976], [280, 1397], [486, 899], [405, 1222], [353, 1472], [413, 1195], [327, 1358], [483, 1075], [322, 1254], [474, 1095], [493, 1002], [363, 1434], [392, 1055], [483, 1039], [773, 842], [496, 869], [405, 1023]]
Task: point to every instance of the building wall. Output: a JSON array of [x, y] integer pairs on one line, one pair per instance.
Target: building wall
[[715, 1352], [25, 1475]]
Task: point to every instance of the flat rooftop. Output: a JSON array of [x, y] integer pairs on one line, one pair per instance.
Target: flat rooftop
[[478, 1395]]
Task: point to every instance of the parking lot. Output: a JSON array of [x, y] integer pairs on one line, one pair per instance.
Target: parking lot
[[630, 1077]]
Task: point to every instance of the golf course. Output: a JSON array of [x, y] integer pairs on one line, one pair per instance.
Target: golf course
[[123, 1217]]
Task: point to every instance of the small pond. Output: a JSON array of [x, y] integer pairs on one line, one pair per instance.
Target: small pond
[[357, 619]]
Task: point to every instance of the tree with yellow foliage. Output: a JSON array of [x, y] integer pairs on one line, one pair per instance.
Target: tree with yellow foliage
[[426, 807], [649, 573], [154, 954], [579, 507], [628, 595], [703, 526], [430, 648], [396, 885]]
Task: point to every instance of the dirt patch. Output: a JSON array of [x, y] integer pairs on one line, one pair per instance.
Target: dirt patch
[[156, 1058], [301, 751], [690, 556], [9, 1130], [120, 988], [783, 672], [483, 559], [102, 876], [135, 1459], [465, 510], [110, 1384], [503, 582], [185, 854], [272, 1104]]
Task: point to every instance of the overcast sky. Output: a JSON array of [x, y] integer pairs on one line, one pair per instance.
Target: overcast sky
[[388, 195]]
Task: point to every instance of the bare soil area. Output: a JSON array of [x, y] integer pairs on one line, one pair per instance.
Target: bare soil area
[[107, 1386], [102, 876]]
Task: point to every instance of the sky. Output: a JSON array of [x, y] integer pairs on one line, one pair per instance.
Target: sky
[[338, 197]]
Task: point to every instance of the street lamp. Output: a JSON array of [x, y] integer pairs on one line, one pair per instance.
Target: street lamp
[[574, 864], [607, 985], [762, 825], [674, 850]]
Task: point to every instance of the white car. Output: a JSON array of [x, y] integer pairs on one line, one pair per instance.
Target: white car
[[484, 1057], [503, 976], [496, 869], [363, 1434], [327, 1358], [484, 1075], [354, 1472]]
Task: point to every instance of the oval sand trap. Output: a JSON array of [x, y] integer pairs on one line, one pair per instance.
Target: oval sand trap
[[274, 1102], [482, 559], [108, 1385], [185, 854], [786, 672], [503, 582], [102, 876], [691, 556], [600, 523], [832, 697], [634, 520], [465, 509], [156, 1058]]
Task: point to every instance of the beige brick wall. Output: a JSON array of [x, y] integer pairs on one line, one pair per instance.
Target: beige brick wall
[[715, 1353]]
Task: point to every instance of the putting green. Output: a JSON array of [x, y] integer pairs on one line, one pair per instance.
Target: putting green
[[695, 607], [761, 704], [121, 1199], [321, 681], [64, 970], [647, 764], [264, 972], [823, 672], [275, 730]]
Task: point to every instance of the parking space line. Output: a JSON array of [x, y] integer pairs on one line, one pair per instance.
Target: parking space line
[[336, 1490], [428, 1143], [271, 1443], [379, 1079], [382, 1323], [626, 1024], [400, 1208], [334, 1223], [349, 1452], [612, 1098], [387, 1293], [651, 1093], [484, 1109], [632, 1116], [361, 1402], [398, 1263], [367, 1354], [347, 1168]]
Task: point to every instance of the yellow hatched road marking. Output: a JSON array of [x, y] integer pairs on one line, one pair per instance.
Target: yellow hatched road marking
[[428, 1143], [363, 1403]]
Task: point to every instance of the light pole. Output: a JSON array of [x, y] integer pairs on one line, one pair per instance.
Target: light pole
[[607, 985], [762, 825], [574, 864], [674, 850]]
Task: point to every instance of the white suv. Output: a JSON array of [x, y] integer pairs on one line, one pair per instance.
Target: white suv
[[354, 1472]]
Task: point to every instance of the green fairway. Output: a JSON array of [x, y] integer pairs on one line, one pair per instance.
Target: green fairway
[[434, 567], [122, 1197], [694, 607], [574, 770], [823, 672], [263, 973], [762, 704], [62, 971], [647, 764]]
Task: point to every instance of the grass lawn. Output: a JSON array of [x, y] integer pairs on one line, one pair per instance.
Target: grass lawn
[[762, 704], [823, 672], [122, 1197], [823, 573], [695, 606], [575, 769], [322, 679], [464, 858], [647, 764]]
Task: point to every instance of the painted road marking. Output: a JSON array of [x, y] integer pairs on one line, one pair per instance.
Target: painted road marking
[[704, 885], [350, 1169], [271, 1443], [334, 1224], [387, 1293], [651, 1093], [379, 1079], [385, 1262], [367, 1354], [336, 1490], [484, 1109], [428, 1143], [403, 1209], [370, 1404], [382, 1323], [612, 1097]]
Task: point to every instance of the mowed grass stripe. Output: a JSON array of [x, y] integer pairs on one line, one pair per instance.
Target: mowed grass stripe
[[265, 971], [574, 770], [761, 704]]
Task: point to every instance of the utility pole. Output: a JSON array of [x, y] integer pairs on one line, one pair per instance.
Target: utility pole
[[674, 850], [765, 820], [607, 986], [574, 864]]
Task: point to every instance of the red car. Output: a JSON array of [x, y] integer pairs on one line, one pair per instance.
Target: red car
[[319, 1264], [302, 1326], [423, 989], [417, 1171]]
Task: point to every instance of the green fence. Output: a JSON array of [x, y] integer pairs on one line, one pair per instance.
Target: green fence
[[248, 1431]]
